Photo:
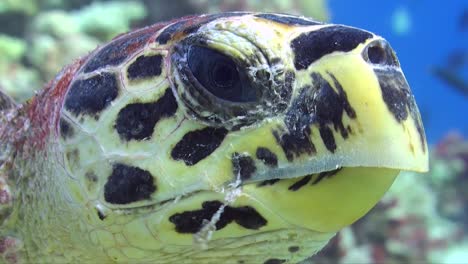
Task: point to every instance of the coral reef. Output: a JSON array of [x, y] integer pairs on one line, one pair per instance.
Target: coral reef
[[59, 37], [422, 219], [41, 36], [55, 37], [17, 79]]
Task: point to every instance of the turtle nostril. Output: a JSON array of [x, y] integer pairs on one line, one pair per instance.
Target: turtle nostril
[[379, 52], [376, 54]]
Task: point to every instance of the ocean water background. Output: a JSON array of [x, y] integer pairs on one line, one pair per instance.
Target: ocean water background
[[424, 34]]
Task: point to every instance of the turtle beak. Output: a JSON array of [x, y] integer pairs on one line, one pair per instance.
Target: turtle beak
[[382, 121], [393, 123], [400, 104], [365, 120]]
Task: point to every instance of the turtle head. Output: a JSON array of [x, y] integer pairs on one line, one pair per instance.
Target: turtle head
[[317, 119], [238, 125]]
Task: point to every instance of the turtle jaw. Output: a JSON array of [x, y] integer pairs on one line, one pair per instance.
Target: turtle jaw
[[325, 203]]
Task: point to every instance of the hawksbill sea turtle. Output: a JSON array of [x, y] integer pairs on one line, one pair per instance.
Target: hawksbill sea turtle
[[226, 138]]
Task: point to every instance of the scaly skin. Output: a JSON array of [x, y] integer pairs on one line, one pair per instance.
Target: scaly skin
[[239, 137]]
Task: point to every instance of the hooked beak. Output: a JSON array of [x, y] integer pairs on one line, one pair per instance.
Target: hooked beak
[[382, 136]]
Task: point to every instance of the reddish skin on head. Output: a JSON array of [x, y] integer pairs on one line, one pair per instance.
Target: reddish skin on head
[[43, 111]]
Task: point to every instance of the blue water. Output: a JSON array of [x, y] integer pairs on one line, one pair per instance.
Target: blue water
[[433, 32]]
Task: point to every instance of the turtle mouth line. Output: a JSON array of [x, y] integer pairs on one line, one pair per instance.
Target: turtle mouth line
[[153, 206], [313, 178]]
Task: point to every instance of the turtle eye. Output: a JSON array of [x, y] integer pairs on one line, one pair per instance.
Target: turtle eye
[[219, 75]]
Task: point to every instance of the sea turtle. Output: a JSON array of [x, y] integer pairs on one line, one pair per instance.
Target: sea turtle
[[226, 138]]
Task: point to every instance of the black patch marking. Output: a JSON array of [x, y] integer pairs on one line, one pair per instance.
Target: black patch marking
[[167, 33], [243, 166], [395, 96], [306, 179], [294, 144], [198, 144], [288, 20], [145, 67], [286, 92], [296, 140], [92, 95], [267, 182], [422, 134], [274, 261], [399, 99], [268, 157], [317, 104], [327, 137], [137, 121], [329, 109], [116, 51], [325, 174], [66, 131], [293, 249], [192, 221], [299, 184], [128, 184], [311, 46], [246, 216], [281, 102]]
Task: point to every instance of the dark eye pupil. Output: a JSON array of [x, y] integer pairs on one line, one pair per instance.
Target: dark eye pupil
[[218, 74], [224, 75]]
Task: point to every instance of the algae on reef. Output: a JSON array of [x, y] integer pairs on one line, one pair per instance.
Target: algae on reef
[[42, 36], [54, 38]]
